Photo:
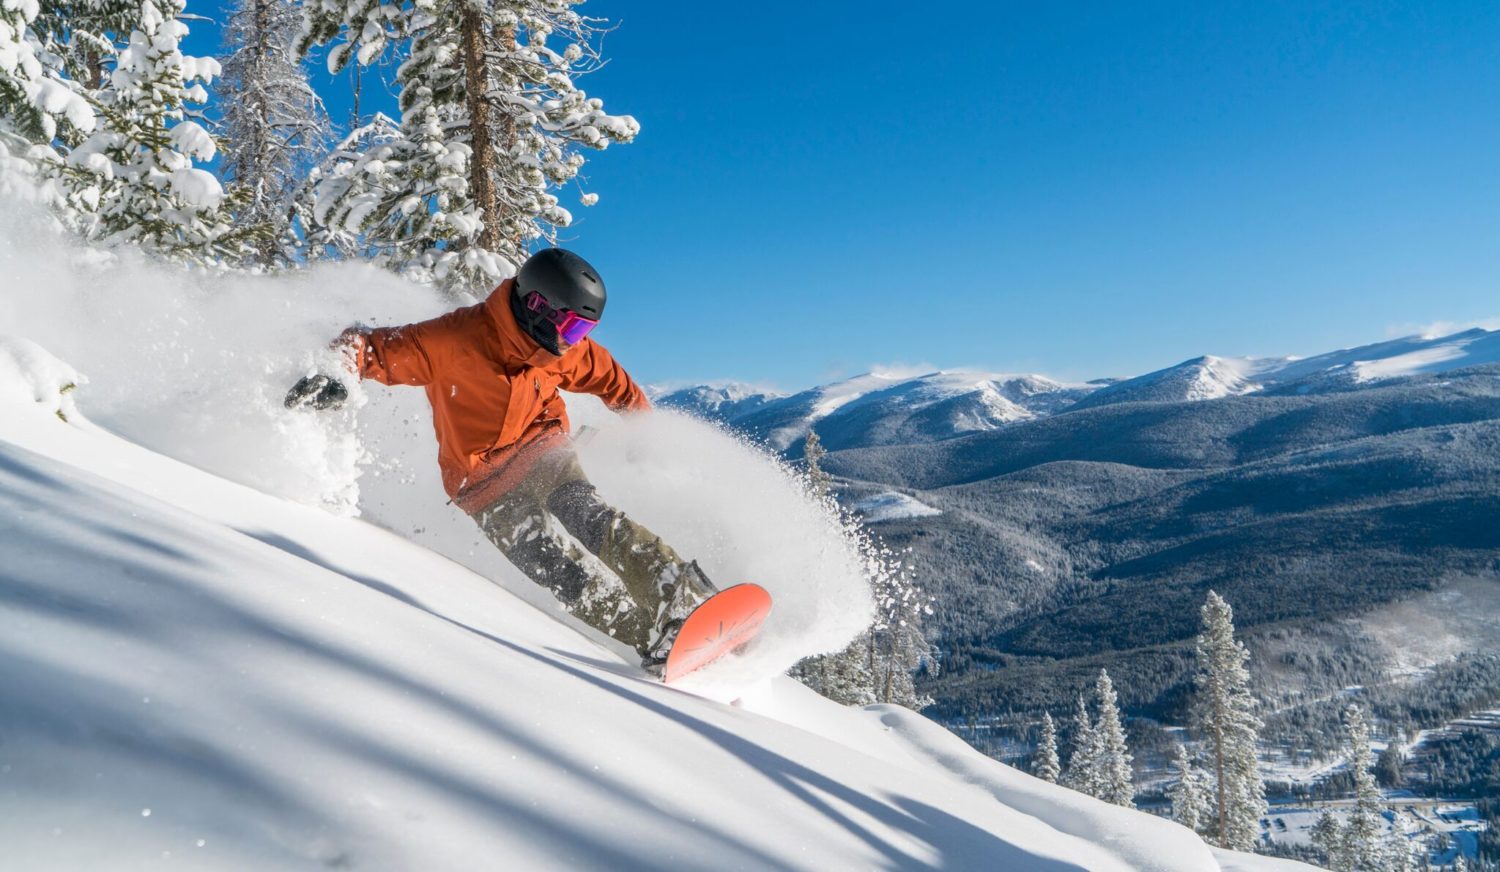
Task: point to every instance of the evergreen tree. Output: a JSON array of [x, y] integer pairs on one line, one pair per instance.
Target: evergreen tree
[[1116, 782], [82, 37], [848, 676], [35, 97], [132, 179], [274, 125], [1083, 756], [1388, 766], [1357, 845], [813, 453], [321, 238], [897, 647], [1327, 836], [492, 120], [1363, 826], [843, 677], [879, 665], [1047, 767], [1187, 793], [1224, 717], [1397, 854]]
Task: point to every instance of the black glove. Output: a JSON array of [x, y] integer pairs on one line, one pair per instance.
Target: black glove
[[318, 391]]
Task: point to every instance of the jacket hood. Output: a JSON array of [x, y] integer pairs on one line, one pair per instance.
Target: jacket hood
[[514, 340]]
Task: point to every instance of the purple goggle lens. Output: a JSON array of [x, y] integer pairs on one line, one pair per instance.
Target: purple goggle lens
[[571, 326]]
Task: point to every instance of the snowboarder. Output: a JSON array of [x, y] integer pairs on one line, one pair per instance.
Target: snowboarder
[[492, 373]]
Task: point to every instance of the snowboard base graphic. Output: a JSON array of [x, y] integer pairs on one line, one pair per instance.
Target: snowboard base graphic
[[724, 622]]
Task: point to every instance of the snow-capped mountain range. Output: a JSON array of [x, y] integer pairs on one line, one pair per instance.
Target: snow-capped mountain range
[[880, 408], [891, 409]]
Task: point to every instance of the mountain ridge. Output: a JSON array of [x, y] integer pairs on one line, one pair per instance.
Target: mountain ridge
[[877, 408]]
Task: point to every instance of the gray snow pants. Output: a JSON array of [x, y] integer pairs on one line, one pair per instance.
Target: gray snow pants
[[606, 569]]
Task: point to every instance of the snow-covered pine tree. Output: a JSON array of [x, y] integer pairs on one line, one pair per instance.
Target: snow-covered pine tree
[[881, 662], [1224, 717], [898, 648], [1363, 825], [132, 179], [847, 676], [36, 99], [813, 453], [72, 40], [1327, 836], [843, 677], [492, 121], [274, 125], [1083, 756], [82, 37], [322, 240], [40, 108], [1398, 854], [1047, 767], [1187, 793], [1116, 777]]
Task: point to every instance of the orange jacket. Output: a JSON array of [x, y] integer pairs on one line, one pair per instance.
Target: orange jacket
[[493, 390]]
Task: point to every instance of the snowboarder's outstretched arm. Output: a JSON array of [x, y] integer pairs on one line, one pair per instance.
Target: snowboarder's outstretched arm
[[389, 355], [397, 355], [599, 374]]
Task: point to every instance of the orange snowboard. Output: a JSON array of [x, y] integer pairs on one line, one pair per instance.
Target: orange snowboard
[[725, 621]]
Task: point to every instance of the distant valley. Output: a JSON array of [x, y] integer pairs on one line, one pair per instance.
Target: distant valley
[[1066, 526]]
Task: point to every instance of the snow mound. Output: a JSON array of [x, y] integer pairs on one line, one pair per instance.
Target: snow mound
[[32, 380], [892, 506]]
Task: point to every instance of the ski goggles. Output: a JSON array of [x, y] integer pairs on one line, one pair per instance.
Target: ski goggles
[[571, 326]]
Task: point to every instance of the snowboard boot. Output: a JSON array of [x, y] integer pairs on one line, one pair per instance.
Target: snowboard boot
[[683, 588]]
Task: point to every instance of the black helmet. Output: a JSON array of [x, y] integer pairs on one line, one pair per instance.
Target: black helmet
[[565, 281]]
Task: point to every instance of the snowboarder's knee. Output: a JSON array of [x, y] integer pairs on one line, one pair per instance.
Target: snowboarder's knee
[[582, 513]]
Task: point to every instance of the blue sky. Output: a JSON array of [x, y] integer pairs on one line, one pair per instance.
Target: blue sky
[[1081, 189]]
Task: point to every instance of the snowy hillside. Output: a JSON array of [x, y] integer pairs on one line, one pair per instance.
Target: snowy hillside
[[1207, 378], [1411, 355], [721, 402], [892, 506], [1203, 378], [880, 408], [198, 674]]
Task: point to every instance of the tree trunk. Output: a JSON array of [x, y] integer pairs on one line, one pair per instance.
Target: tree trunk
[[96, 70], [1219, 731], [259, 164], [476, 98]]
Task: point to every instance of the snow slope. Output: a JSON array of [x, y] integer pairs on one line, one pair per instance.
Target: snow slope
[[1203, 378], [892, 506], [195, 674], [1410, 355]]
